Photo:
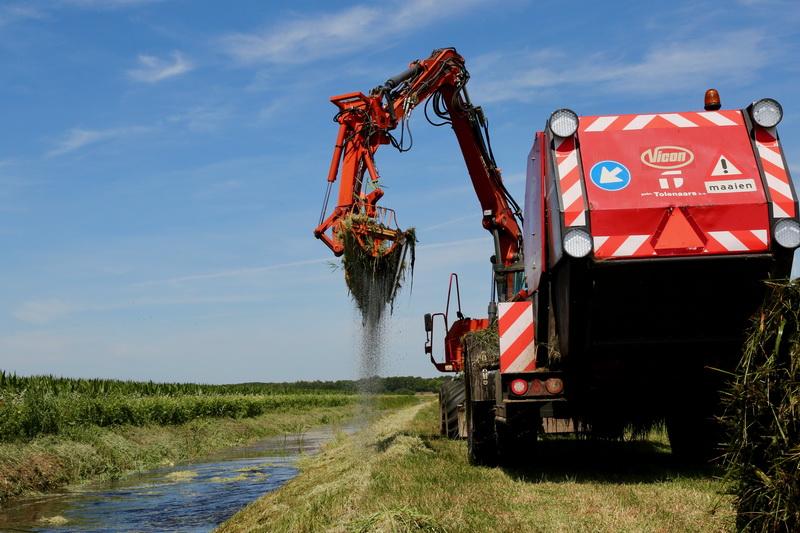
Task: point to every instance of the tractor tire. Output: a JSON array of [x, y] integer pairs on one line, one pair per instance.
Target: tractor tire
[[517, 438], [442, 411], [481, 435], [694, 431], [451, 395], [694, 439]]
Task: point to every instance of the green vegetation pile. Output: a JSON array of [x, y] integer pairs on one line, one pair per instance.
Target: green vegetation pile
[[483, 346], [373, 279], [763, 417]]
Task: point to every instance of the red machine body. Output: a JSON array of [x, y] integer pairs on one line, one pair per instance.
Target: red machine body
[[694, 185], [453, 346], [676, 205], [673, 184], [453, 360], [643, 246]]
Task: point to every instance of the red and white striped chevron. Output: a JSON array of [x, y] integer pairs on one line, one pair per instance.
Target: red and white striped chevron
[[614, 246], [661, 120], [769, 152], [626, 246], [737, 241], [517, 343], [569, 182]]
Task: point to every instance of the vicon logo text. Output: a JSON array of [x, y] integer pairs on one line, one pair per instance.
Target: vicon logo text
[[667, 157]]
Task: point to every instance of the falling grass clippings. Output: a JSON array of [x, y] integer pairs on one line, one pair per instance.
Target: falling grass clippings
[[374, 271]]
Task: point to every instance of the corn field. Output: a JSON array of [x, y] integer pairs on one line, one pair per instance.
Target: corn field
[[39, 405], [94, 387], [10, 382]]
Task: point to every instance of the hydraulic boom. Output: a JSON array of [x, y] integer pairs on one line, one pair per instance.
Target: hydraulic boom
[[366, 123]]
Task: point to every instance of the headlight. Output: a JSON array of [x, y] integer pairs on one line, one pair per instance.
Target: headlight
[[767, 112], [787, 233], [563, 122], [577, 243]]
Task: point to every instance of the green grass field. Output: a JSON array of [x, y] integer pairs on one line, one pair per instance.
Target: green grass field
[[400, 475]]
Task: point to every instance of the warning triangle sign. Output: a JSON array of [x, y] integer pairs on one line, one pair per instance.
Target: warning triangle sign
[[724, 167], [678, 233]]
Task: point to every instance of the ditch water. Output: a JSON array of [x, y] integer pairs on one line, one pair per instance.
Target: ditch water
[[192, 497]]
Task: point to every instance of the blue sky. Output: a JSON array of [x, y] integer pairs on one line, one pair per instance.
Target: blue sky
[[163, 163]]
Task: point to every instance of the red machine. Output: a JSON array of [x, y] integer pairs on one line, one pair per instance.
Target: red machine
[[631, 273]]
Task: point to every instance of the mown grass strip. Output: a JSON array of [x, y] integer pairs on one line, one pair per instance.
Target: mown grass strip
[[402, 476]]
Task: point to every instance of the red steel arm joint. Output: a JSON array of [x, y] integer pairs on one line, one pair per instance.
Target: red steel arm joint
[[365, 123]]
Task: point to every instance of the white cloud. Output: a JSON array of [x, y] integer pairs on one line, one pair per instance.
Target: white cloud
[[235, 272], [272, 109], [665, 67], [202, 118], [10, 14], [107, 4], [258, 270], [764, 3], [77, 138], [153, 69], [309, 38], [41, 311], [449, 222], [199, 119]]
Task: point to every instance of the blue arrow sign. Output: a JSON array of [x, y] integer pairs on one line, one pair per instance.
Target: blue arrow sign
[[610, 175]]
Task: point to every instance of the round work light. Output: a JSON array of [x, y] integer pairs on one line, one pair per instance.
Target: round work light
[[577, 243], [787, 233], [767, 112], [563, 122]]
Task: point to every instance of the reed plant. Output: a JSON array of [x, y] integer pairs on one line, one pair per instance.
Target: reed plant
[[762, 417]]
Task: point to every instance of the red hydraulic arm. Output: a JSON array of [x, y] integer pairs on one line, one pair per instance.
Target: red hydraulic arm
[[366, 122]]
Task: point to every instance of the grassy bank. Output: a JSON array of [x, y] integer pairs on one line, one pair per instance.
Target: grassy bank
[[90, 452], [401, 476]]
